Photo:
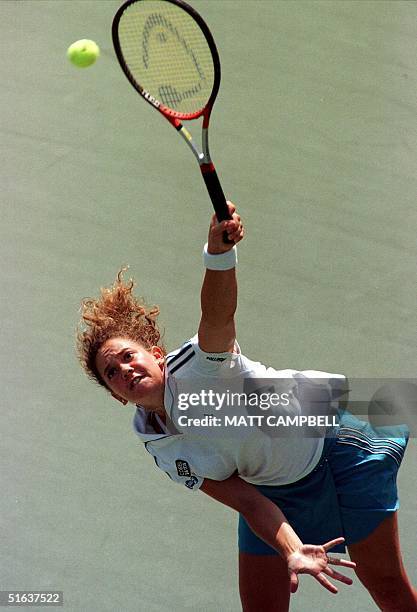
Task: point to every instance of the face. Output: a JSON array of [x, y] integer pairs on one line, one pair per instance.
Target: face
[[132, 373]]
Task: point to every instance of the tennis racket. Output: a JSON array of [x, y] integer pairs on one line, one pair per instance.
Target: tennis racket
[[167, 52]]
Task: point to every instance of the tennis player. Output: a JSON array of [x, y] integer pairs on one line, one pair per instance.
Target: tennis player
[[287, 490]]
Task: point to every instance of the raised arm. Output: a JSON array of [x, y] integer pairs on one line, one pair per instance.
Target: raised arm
[[270, 524], [216, 333]]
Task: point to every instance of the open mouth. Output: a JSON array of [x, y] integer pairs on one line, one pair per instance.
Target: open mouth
[[136, 380]]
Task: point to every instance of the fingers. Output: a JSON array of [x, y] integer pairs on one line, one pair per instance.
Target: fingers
[[344, 562], [233, 228], [337, 575], [337, 560], [332, 543], [231, 207], [235, 231], [293, 582], [326, 583]]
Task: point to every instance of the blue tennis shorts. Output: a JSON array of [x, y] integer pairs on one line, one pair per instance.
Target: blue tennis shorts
[[351, 490]]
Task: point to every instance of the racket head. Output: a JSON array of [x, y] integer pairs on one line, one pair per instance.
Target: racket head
[[168, 54]]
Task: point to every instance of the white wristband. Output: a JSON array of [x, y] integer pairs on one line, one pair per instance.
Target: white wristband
[[220, 261]]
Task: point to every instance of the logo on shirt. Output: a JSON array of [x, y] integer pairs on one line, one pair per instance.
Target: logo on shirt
[[192, 482], [216, 358], [183, 469]]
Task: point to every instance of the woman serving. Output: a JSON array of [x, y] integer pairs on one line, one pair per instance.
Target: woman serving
[[287, 490]]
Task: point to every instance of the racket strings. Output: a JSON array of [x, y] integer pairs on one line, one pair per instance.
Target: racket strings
[[167, 54]]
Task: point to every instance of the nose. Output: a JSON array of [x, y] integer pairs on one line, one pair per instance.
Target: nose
[[126, 369]]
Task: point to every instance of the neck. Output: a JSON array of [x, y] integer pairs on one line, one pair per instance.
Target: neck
[[158, 409]]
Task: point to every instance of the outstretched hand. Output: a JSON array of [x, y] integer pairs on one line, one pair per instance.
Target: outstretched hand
[[233, 227], [313, 560]]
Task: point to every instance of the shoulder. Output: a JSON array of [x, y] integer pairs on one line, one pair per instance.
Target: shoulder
[[189, 357], [182, 356]]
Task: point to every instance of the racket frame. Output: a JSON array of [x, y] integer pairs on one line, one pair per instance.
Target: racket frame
[[175, 118]]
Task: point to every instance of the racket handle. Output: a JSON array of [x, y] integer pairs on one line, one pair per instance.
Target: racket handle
[[216, 195]]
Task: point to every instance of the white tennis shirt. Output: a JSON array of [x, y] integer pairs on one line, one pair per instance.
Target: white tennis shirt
[[235, 435]]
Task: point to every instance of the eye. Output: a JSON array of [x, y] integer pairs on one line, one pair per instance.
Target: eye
[[128, 356], [111, 372]]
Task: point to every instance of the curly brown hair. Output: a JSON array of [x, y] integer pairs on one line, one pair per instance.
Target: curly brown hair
[[116, 314]]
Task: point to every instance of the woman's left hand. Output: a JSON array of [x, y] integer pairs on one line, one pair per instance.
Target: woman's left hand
[[313, 560]]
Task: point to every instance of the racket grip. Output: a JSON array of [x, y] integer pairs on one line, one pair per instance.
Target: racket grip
[[216, 194]]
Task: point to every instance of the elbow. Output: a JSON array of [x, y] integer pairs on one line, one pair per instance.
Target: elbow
[[248, 508], [248, 501]]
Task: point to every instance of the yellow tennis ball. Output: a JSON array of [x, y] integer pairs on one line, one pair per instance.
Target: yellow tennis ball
[[83, 53]]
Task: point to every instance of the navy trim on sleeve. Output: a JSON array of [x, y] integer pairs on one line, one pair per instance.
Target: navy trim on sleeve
[[171, 358], [180, 364]]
